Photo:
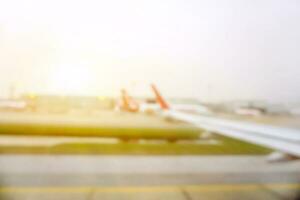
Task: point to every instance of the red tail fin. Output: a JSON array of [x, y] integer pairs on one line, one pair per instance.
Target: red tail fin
[[125, 98], [163, 104], [128, 103]]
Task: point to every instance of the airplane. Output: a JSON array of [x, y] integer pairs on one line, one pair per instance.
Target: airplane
[[285, 140], [187, 108], [127, 103], [11, 104], [130, 105]]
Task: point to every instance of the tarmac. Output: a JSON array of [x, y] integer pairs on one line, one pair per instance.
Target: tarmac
[[147, 177]]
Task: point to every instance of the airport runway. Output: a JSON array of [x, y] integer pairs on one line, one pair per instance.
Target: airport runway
[[146, 177]]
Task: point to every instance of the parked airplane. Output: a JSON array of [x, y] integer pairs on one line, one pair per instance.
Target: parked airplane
[[187, 108], [284, 140], [127, 103], [130, 105], [9, 104]]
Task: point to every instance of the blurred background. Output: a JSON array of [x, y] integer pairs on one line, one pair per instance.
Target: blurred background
[[149, 99]]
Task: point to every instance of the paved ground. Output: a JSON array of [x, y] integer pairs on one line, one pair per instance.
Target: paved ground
[[140, 177], [141, 164], [220, 192], [48, 141]]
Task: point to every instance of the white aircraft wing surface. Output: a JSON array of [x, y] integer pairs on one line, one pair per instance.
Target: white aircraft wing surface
[[283, 139]]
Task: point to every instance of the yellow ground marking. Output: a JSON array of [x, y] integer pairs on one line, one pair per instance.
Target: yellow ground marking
[[151, 189]]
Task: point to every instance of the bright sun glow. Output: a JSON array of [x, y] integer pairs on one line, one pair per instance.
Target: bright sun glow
[[71, 79]]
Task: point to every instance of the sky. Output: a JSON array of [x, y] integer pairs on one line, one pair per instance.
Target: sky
[[211, 50]]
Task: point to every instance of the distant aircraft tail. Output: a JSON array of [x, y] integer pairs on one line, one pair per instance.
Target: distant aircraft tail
[[160, 100], [128, 103]]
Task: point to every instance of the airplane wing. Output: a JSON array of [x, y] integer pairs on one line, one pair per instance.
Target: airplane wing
[[283, 139]]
